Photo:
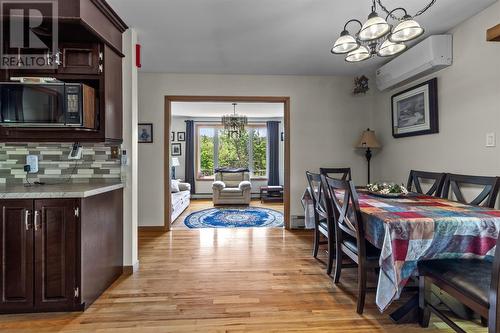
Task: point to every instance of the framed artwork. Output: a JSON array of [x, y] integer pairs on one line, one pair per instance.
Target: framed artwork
[[181, 136], [415, 110], [176, 149], [172, 136], [282, 136], [145, 133]]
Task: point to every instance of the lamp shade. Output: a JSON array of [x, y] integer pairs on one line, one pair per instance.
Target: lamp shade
[[389, 48], [406, 30], [360, 54], [175, 162], [368, 140], [345, 43], [374, 28]]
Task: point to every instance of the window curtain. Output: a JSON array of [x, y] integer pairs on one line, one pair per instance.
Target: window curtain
[[189, 164], [273, 148]]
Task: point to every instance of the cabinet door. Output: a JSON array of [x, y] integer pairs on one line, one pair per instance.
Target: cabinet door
[[55, 254], [113, 95], [16, 254], [79, 58]]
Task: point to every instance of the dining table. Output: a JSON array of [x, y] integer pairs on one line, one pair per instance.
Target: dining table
[[417, 227]]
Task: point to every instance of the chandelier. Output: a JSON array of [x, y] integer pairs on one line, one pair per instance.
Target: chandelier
[[377, 37], [234, 124]]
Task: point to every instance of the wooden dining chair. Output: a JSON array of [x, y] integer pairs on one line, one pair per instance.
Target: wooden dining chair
[[322, 225], [414, 182], [488, 196], [342, 203], [343, 173], [473, 282]]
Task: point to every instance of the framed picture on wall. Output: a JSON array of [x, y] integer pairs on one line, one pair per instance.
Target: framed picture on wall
[[415, 110], [282, 136], [176, 149], [172, 136], [145, 133], [181, 136]]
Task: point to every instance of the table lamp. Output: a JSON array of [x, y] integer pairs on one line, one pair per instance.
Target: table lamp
[[175, 163], [368, 141]]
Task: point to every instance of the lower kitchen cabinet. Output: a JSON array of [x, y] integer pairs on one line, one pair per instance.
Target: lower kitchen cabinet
[[59, 254]]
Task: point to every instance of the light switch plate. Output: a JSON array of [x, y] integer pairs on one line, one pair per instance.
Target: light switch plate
[[490, 140], [32, 161]]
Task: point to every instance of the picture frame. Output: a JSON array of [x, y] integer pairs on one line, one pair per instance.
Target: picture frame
[[145, 133], [176, 149], [181, 136], [282, 136], [415, 110], [172, 137]]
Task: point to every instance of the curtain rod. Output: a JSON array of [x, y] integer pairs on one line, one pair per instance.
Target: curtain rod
[[220, 122]]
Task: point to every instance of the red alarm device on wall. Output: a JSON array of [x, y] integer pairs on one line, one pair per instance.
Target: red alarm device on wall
[[138, 55]]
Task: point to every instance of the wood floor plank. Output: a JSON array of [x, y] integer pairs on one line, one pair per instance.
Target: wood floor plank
[[225, 280]]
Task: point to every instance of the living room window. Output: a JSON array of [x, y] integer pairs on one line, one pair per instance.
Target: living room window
[[215, 149]]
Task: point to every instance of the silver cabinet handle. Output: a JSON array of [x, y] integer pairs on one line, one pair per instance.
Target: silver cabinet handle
[[37, 226], [27, 219]]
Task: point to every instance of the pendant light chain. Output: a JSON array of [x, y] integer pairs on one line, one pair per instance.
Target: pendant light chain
[[420, 12]]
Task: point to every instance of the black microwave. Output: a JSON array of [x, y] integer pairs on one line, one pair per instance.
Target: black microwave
[[47, 105]]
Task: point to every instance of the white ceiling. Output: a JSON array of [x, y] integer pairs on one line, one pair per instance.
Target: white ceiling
[[291, 37], [217, 110]]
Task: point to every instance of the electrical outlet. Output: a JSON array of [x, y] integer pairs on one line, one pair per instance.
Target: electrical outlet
[[490, 140], [32, 161], [115, 152]]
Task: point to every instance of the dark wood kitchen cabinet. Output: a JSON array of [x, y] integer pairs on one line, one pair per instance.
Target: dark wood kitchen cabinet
[[16, 253], [90, 52], [59, 254], [55, 254], [39, 259]]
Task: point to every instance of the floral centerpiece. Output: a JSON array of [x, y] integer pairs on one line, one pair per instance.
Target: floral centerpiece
[[387, 189]]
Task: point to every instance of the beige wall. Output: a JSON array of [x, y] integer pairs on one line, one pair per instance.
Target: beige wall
[[130, 171], [326, 121], [469, 107]]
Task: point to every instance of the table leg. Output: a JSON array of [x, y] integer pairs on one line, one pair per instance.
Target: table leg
[[407, 313]]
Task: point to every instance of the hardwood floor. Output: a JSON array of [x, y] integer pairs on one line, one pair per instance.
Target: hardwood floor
[[224, 280], [200, 204]]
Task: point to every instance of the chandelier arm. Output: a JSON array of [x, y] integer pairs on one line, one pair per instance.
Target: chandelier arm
[[390, 14], [353, 20], [420, 12]]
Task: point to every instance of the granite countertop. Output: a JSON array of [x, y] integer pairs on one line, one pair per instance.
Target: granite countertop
[[69, 190]]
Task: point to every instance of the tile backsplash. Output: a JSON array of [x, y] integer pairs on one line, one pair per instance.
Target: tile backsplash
[[53, 163]]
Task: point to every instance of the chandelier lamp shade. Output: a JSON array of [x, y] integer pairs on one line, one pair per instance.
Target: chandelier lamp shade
[[377, 36], [234, 124]]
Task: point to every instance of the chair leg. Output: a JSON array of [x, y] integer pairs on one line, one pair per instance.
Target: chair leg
[[331, 256], [424, 295], [316, 243], [338, 264], [361, 288]]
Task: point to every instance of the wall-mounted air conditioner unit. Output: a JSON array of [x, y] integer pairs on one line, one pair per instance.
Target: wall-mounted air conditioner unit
[[430, 55]]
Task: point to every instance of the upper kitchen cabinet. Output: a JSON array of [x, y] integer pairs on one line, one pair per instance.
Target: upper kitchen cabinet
[[84, 103]]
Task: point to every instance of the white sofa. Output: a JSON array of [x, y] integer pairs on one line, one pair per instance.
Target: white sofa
[[181, 198], [232, 188]]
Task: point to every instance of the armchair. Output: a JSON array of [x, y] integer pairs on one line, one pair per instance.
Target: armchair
[[232, 187]]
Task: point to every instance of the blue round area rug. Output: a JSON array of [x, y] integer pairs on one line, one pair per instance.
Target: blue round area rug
[[251, 217]]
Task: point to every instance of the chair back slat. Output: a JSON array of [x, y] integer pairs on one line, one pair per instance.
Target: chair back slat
[[341, 173], [488, 196], [342, 199], [317, 193], [415, 178]]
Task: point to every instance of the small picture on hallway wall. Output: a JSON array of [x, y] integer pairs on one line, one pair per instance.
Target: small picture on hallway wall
[[176, 149], [181, 136], [145, 133], [415, 110]]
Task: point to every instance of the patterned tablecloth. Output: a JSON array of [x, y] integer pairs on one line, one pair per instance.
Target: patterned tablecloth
[[419, 228]]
